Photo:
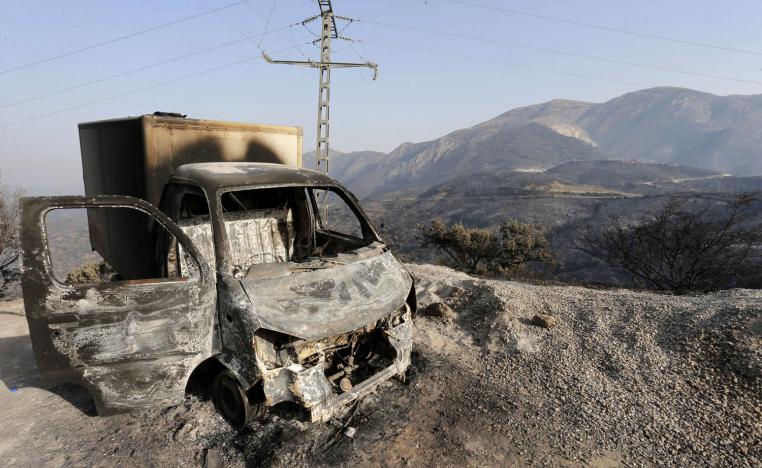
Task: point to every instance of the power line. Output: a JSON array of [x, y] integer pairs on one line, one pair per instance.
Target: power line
[[557, 51], [134, 91], [135, 70], [361, 42], [250, 38], [290, 37], [508, 64], [415, 49], [267, 24], [328, 32], [121, 38], [264, 33], [606, 28]]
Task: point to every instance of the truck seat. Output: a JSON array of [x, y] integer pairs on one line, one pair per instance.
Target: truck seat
[[254, 236], [260, 236]]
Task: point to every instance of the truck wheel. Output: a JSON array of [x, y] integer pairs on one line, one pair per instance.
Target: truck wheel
[[231, 401]]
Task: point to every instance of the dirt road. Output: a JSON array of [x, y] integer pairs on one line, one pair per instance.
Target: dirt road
[[624, 379]]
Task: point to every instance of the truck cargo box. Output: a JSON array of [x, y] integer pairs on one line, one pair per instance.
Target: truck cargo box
[[138, 155]]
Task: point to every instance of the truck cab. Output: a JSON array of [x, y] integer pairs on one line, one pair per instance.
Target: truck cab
[[259, 283]]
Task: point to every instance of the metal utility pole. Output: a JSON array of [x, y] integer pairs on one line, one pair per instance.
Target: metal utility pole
[[328, 32]]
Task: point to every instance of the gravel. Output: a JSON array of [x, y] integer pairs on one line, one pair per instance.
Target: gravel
[[647, 379], [623, 379]]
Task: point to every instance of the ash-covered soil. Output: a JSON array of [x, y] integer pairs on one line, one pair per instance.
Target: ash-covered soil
[[623, 379]]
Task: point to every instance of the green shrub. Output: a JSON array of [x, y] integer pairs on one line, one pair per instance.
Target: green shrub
[[508, 249]]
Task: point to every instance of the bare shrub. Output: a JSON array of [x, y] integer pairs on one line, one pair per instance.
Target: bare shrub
[[93, 271], [482, 250], [695, 244], [9, 253]]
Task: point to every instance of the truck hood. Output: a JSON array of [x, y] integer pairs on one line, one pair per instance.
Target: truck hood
[[326, 302]]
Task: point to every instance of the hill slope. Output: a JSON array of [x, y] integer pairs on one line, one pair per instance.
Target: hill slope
[[567, 200], [535, 137], [663, 125], [681, 126]]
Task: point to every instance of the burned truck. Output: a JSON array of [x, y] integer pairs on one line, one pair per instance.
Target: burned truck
[[221, 265]]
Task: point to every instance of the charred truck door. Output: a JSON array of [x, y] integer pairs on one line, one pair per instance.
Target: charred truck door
[[132, 341]]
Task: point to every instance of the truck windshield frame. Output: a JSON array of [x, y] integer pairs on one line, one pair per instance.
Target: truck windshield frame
[[370, 234]]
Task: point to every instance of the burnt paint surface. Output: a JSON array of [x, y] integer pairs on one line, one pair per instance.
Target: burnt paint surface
[[327, 302], [237, 328], [135, 345], [132, 345]]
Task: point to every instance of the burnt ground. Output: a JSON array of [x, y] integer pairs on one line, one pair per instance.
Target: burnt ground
[[624, 379]]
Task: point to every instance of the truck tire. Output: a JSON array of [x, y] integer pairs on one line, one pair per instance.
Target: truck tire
[[231, 400]]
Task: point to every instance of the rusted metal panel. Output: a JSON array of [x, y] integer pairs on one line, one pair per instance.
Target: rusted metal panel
[[132, 344], [138, 156], [330, 301], [215, 176]]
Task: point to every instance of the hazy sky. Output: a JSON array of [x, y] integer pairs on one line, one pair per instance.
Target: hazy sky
[[418, 96]]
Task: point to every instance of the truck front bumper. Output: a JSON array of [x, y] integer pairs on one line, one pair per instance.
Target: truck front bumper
[[310, 387]]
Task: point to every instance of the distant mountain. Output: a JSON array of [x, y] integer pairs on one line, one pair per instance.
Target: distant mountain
[[482, 148], [681, 126], [309, 161], [673, 126]]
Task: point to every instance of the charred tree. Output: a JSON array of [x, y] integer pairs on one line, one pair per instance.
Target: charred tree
[[688, 245]]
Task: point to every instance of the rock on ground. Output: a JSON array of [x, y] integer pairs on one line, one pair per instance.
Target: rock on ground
[[544, 321], [438, 309]]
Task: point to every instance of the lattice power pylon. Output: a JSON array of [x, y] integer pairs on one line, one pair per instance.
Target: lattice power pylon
[[328, 32]]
